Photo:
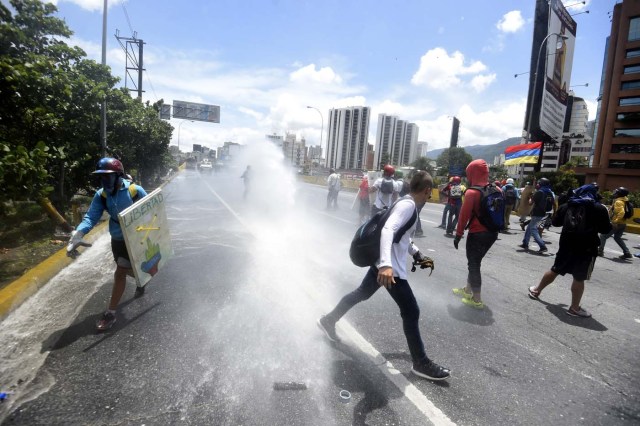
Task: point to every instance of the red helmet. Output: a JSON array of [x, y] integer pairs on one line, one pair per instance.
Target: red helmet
[[497, 183], [389, 170], [456, 180], [109, 165]]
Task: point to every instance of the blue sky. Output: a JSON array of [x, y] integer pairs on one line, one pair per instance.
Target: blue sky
[[263, 62]]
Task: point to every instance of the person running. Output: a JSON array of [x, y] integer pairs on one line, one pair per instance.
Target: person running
[[616, 213], [385, 188], [455, 193], [543, 201], [510, 199], [480, 238], [114, 196], [581, 218], [390, 271]]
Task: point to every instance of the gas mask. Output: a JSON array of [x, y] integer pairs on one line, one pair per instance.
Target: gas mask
[[109, 183]]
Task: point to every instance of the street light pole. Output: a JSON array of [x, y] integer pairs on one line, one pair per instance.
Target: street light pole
[[103, 112], [179, 127], [321, 128], [535, 86]]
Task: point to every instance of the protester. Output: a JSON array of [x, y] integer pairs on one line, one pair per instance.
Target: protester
[[616, 213], [391, 272], [581, 218], [447, 207], [363, 198], [385, 188], [456, 191], [543, 201], [333, 186], [524, 207], [480, 238], [247, 175], [510, 200], [114, 197]]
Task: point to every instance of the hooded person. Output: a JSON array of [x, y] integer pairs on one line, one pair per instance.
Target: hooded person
[[581, 218], [480, 238], [616, 213], [543, 202]]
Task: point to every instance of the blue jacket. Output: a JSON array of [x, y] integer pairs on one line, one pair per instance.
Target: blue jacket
[[115, 204]]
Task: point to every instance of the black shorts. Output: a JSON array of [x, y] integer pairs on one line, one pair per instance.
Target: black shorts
[[578, 265], [120, 254]]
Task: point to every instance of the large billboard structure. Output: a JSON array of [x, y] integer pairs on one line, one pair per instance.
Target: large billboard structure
[[198, 112], [558, 69]]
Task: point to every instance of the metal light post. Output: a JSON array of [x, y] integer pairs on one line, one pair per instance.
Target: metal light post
[[179, 127], [103, 115], [321, 128], [535, 86]]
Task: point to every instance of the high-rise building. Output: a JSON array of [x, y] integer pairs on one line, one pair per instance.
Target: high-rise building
[[616, 148], [397, 139], [421, 149], [347, 137]]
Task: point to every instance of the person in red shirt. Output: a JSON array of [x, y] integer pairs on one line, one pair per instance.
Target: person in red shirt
[[363, 197], [480, 239]]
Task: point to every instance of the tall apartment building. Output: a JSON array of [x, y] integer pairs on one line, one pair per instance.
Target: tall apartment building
[[616, 153], [396, 138], [347, 138]]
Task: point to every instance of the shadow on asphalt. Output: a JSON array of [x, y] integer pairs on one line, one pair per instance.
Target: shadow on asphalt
[[62, 338], [560, 311], [471, 315]]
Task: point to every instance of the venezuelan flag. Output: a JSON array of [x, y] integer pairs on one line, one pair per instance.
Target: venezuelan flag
[[526, 153]]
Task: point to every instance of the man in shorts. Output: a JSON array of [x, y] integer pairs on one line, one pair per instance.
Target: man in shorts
[[114, 196], [579, 244]]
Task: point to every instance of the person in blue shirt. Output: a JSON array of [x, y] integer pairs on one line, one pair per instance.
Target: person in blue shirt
[[116, 194]]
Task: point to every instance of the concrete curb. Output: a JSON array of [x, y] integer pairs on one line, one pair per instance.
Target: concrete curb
[[14, 294]]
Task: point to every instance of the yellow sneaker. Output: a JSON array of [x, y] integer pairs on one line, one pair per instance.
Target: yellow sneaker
[[470, 302], [461, 292]]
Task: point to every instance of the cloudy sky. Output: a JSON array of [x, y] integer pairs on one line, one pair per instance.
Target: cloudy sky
[[264, 61]]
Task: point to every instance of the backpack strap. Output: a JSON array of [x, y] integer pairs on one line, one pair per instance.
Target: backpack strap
[[133, 193], [482, 190], [404, 228]]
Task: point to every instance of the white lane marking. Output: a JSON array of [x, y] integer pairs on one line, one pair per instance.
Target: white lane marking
[[428, 221], [412, 393], [336, 217], [215, 194], [637, 320]]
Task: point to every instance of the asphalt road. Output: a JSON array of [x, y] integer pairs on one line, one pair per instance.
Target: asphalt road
[[234, 311]]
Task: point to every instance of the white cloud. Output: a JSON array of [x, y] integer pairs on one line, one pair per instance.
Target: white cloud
[[91, 5], [481, 82], [440, 71], [309, 74], [511, 22]]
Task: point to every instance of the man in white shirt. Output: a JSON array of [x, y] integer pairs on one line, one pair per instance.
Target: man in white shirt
[[390, 271], [333, 185], [386, 190]]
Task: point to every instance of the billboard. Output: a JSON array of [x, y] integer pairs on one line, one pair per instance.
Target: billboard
[[557, 70], [198, 112], [146, 232], [165, 112]]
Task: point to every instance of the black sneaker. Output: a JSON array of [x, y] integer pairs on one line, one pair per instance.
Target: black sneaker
[[328, 328], [139, 292], [626, 256], [106, 322], [430, 370], [524, 246], [543, 250]]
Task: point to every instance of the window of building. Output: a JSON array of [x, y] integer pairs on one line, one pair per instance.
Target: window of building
[[631, 69], [626, 133], [628, 116], [629, 101], [628, 85], [633, 53], [624, 164], [634, 29], [625, 149]]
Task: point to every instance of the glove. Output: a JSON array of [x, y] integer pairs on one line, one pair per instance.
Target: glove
[[74, 242], [423, 261], [456, 241]]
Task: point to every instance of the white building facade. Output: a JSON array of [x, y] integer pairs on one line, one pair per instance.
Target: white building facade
[[347, 138], [396, 138]]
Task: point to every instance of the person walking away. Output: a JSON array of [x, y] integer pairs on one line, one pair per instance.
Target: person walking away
[[543, 201], [333, 185], [581, 218], [480, 238], [510, 199], [363, 198], [385, 188], [114, 197], [524, 209], [618, 218], [247, 175], [456, 191], [390, 271]]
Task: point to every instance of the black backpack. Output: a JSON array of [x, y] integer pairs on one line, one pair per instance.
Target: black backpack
[[575, 220], [510, 195], [387, 186], [491, 207], [365, 246], [628, 210]]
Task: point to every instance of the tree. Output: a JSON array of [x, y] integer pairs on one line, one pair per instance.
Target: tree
[[423, 163], [454, 160], [497, 172]]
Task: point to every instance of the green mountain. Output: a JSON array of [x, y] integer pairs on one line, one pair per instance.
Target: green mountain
[[486, 152]]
